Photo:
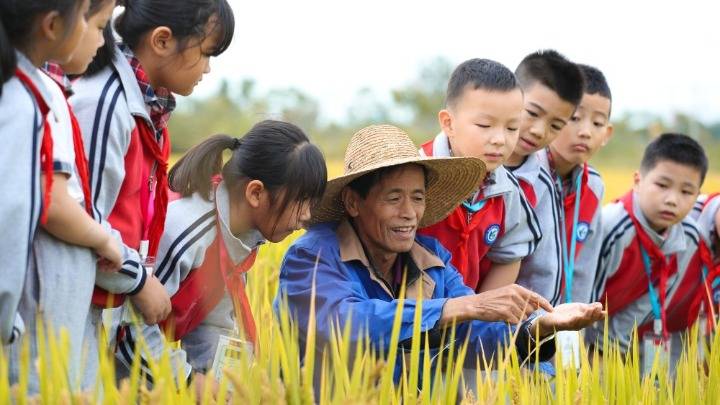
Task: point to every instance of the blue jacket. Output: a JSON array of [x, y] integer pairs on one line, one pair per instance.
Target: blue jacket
[[346, 284]]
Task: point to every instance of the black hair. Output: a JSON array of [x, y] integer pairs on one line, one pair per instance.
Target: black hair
[[17, 23], [678, 148], [363, 184], [277, 153], [187, 19], [554, 71], [595, 82], [479, 74], [95, 7]]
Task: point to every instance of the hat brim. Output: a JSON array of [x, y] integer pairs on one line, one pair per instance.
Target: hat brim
[[450, 181]]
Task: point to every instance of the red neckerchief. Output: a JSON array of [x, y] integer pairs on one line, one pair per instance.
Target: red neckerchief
[[204, 287], [631, 282], [55, 72], [160, 154], [46, 146]]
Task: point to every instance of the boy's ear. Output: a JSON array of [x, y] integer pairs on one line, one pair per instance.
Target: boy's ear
[[636, 180], [446, 121], [254, 193], [162, 42], [609, 132], [350, 201]]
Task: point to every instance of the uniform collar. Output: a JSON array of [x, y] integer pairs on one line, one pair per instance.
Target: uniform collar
[[32, 72], [238, 247]]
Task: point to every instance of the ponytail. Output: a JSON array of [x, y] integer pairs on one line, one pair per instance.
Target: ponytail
[[194, 171], [277, 153], [8, 60]]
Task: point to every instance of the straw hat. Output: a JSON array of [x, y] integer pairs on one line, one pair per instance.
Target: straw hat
[[450, 180]]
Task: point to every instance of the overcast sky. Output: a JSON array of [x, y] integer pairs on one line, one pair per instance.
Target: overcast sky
[[658, 56]]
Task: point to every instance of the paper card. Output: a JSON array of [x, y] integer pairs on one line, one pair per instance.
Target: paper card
[[569, 343], [229, 354]]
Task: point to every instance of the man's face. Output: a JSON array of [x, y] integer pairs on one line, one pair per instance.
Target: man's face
[[387, 219]]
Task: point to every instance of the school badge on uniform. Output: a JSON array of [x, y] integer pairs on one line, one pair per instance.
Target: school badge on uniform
[[491, 234], [583, 230]]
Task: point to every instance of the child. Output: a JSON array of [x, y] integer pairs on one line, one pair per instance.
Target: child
[[651, 256], [581, 186], [265, 193], [123, 109], [707, 214], [31, 32], [63, 248], [494, 229], [552, 86]]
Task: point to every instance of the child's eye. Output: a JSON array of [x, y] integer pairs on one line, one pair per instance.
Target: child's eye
[[512, 129], [557, 127], [532, 113], [482, 126], [598, 124], [661, 185], [574, 118], [687, 192]]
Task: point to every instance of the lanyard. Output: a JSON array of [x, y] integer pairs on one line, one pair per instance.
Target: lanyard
[[569, 257], [657, 302]]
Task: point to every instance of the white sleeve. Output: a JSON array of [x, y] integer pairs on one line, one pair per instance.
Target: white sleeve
[[587, 260]]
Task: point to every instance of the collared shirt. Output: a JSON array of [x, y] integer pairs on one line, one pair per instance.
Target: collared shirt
[[160, 100], [331, 256]]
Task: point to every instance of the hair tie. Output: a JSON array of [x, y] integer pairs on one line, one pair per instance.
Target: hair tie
[[236, 144]]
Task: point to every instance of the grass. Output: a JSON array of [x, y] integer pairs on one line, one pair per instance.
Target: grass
[[359, 375]]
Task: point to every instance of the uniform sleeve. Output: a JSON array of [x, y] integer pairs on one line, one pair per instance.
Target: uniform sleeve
[[20, 200], [106, 135], [522, 230], [150, 342], [615, 224], [586, 262]]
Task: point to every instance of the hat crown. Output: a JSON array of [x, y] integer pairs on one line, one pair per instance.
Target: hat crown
[[376, 145]]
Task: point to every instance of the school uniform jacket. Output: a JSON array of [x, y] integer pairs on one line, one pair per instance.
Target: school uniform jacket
[[190, 231], [106, 105], [21, 128], [588, 231], [505, 230], [704, 213], [541, 271], [619, 240]]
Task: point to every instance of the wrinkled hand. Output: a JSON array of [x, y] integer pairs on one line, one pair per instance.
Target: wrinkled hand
[[152, 301], [512, 304], [110, 255], [572, 316]]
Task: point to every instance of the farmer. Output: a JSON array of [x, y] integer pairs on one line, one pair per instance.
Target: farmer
[[364, 246]]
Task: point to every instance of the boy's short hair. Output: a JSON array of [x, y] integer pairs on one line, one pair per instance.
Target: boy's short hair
[[678, 148], [554, 71], [483, 74], [595, 82]]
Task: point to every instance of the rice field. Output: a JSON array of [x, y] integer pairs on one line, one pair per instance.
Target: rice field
[[357, 374]]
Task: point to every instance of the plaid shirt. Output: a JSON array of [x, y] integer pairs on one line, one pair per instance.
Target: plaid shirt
[[160, 100], [58, 75]]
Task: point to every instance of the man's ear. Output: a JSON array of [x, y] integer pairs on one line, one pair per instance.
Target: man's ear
[[162, 42], [609, 132], [445, 120], [350, 200], [254, 193]]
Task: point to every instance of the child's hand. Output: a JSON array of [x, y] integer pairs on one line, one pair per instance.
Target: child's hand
[[152, 301], [110, 259]]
